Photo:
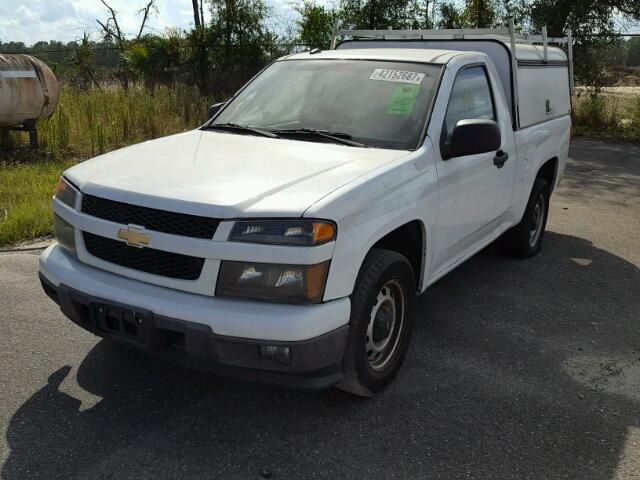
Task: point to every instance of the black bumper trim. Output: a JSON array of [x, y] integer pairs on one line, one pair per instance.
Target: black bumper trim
[[314, 364]]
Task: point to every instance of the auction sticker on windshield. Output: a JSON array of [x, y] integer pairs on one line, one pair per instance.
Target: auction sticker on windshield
[[402, 76]]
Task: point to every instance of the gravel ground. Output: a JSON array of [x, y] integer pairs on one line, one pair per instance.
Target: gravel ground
[[517, 369]]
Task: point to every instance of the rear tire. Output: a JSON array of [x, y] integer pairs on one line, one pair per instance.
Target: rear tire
[[380, 323], [525, 239]]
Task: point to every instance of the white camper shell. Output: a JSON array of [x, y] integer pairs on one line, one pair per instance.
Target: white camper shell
[[539, 62]]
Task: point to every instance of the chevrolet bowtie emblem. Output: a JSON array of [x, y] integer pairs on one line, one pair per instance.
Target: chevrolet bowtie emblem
[[134, 237]]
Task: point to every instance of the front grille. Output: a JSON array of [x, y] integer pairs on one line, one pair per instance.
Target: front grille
[[156, 262], [150, 218]]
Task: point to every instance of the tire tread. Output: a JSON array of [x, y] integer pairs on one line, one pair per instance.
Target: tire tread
[[516, 239], [374, 266]]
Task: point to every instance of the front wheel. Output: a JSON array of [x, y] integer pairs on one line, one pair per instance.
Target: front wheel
[[525, 239], [380, 323]]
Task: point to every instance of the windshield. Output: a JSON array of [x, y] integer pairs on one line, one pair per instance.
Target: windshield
[[376, 103]]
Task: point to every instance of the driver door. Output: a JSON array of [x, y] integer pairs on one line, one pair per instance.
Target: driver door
[[472, 189]]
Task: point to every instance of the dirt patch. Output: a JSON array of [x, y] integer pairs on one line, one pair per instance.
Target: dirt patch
[[620, 375]]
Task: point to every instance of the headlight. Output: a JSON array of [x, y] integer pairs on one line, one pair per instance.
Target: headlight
[[64, 233], [66, 193], [267, 281], [304, 233]]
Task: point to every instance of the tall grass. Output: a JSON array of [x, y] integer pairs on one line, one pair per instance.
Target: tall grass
[[607, 117], [85, 124], [88, 123], [25, 196]]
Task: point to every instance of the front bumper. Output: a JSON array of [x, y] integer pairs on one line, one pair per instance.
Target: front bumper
[[218, 335]]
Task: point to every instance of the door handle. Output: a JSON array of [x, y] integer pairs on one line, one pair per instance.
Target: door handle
[[500, 159]]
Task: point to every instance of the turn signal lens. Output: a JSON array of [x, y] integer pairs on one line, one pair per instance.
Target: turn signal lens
[[323, 232], [304, 233], [64, 233], [66, 193], [316, 276]]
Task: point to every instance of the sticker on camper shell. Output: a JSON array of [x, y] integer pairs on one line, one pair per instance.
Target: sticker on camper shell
[[401, 76], [403, 99]]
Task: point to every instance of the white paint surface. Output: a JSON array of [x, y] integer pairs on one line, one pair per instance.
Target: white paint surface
[[17, 74]]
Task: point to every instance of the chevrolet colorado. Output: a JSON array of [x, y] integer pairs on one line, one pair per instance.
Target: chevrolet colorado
[[286, 239]]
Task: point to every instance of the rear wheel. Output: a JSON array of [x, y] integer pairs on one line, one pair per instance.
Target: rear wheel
[[380, 323], [525, 239]]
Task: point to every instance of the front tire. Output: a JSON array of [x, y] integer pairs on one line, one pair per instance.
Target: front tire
[[380, 324], [525, 239]]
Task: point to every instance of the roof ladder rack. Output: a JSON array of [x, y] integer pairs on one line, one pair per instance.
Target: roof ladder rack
[[514, 68], [572, 85], [507, 35]]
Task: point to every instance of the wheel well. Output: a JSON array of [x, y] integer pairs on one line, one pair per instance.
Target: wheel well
[[548, 171], [407, 240]]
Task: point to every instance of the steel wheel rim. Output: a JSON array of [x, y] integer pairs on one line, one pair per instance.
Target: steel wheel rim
[[535, 228], [386, 325]]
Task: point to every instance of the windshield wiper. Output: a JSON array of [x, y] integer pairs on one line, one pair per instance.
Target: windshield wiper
[[338, 137], [240, 128]]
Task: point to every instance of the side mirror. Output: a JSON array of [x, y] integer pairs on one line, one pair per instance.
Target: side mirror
[[472, 137], [215, 108]]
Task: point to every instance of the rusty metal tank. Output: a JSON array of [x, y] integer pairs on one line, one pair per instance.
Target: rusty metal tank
[[28, 90]]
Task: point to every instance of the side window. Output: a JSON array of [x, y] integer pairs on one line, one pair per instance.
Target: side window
[[470, 99]]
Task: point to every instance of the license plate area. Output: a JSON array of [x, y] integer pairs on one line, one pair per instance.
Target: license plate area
[[122, 321]]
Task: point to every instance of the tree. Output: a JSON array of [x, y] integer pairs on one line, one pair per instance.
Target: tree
[[84, 63], [478, 14], [198, 18], [376, 14], [633, 52], [240, 38], [113, 34], [421, 14], [155, 58], [450, 16], [585, 17], [594, 24], [315, 24], [474, 14]]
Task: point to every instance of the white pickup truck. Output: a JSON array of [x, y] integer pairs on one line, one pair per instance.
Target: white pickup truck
[[286, 239]]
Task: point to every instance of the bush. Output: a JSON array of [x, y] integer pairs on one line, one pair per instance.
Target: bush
[[596, 112], [607, 115], [634, 117]]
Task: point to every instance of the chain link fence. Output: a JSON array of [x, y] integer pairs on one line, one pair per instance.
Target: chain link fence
[[210, 67], [607, 98]]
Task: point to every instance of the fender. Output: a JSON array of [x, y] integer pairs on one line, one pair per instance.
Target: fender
[[378, 203]]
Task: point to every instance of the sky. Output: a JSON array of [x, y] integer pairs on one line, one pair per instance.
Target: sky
[[29, 21]]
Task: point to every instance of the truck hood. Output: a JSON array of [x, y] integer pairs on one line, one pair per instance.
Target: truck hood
[[225, 175]]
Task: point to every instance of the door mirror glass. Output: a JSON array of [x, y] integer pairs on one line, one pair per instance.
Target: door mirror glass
[[472, 137], [215, 108]]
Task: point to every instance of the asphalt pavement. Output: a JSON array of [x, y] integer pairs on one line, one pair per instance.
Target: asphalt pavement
[[517, 369]]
